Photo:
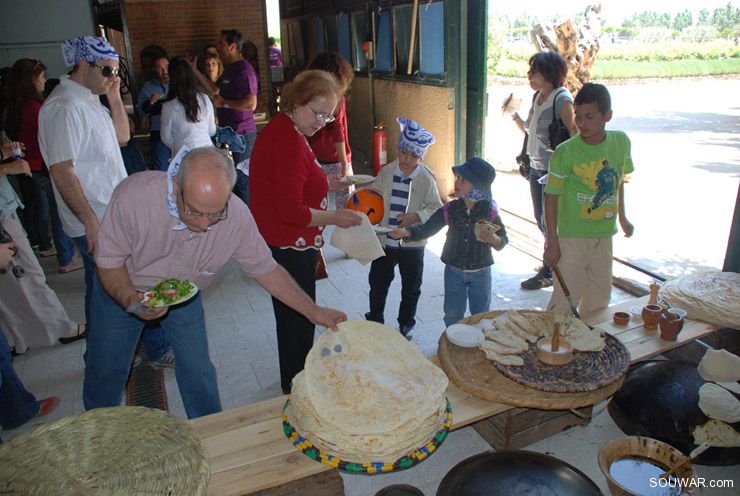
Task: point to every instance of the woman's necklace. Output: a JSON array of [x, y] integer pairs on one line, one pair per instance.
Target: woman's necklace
[[543, 96]]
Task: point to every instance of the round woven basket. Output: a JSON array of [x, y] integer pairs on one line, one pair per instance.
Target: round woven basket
[[473, 373], [122, 450]]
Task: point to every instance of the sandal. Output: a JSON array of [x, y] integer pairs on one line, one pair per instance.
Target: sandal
[[81, 334]]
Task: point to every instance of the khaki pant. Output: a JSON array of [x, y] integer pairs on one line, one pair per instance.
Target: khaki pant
[[586, 265], [30, 312]]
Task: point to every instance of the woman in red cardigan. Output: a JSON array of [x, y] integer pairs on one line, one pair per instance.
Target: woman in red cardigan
[[331, 144], [287, 189]]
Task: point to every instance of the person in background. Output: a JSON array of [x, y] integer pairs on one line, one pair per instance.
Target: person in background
[[276, 56], [582, 204], [25, 96], [187, 117], [410, 197], [30, 311], [331, 143], [547, 73], [17, 404], [152, 95], [467, 257], [234, 95], [288, 199], [213, 67], [80, 142], [182, 224]]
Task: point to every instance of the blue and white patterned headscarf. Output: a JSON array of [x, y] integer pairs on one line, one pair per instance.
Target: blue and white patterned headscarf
[[171, 200], [414, 138], [87, 48]]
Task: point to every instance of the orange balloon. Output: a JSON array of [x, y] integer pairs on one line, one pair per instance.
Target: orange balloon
[[368, 201]]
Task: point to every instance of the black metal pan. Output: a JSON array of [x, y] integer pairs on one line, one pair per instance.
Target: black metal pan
[[515, 473]]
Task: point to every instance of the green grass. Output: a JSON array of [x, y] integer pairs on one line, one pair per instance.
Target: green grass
[[617, 69]]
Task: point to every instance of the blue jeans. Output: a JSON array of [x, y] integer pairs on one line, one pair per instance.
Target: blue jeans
[[155, 338], [35, 213], [537, 191], [159, 156], [111, 343], [65, 247], [461, 287], [241, 188], [89, 261], [17, 404]]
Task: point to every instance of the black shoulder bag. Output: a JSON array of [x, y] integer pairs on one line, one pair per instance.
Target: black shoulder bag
[[556, 131]]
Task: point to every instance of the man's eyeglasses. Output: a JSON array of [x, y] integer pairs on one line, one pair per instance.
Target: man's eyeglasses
[[107, 70], [325, 118], [198, 215]]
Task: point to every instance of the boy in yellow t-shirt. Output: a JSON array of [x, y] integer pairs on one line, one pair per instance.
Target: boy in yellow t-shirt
[[584, 197]]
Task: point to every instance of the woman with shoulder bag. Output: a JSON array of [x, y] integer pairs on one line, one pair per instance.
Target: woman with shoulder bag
[[551, 116]]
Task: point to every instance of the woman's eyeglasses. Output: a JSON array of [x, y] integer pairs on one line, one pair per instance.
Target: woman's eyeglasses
[[325, 118], [107, 70]]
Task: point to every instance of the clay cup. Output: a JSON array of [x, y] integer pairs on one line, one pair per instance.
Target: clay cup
[[651, 316], [670, 325]]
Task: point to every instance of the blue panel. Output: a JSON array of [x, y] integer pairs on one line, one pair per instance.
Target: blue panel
[[432, 37], [318, 29], [343, 37], [384, 57]]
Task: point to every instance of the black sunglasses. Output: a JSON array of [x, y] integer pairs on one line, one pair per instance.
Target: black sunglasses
[[106, 70]]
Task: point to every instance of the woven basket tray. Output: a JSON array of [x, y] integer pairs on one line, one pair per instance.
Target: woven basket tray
[[469, 369], [122, 450], [368, 468]]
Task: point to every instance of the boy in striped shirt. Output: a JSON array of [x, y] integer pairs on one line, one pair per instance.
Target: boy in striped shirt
[[410, 197]]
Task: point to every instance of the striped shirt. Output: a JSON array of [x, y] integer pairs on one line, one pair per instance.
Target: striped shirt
[[399, 200]]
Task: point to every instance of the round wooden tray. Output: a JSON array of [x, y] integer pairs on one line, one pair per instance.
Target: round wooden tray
[[469, 369]]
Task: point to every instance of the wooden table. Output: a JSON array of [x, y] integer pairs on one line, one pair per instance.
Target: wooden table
[[250, 453]]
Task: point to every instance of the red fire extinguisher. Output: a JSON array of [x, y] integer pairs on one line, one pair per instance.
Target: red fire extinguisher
[[380, 147]]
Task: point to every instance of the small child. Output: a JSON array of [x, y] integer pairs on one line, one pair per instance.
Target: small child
[[410, 197], [467, 259], [584, 197]]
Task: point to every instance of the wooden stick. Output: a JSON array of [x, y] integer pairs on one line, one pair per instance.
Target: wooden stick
[[555, 343], [413, 36]]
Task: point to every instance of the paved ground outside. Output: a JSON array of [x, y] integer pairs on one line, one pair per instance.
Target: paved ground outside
[[685, 146]]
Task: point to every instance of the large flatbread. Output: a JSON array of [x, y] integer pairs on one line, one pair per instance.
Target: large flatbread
[[709, 296], [495, 347], [367, 394], [718, 403], [717, 433]]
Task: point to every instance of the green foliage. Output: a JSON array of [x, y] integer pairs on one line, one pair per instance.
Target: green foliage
[[643, 52], [619, 69]]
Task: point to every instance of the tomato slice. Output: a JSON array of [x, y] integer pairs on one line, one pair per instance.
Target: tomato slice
[[169, 293]]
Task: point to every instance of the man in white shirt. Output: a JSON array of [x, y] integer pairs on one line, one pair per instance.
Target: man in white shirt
[[80, 141]]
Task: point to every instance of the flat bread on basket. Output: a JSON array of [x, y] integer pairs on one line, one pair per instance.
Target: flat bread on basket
[[367, 394]]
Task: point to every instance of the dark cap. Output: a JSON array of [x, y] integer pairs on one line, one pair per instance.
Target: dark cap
[[479, 172]]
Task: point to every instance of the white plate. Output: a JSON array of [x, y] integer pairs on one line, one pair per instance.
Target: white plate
[[382, 230], [464, 335], [193, 292], [359, 179]]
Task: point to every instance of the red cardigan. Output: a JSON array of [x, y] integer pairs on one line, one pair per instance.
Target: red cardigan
[[284, 182], [29, 134], [323, 141]]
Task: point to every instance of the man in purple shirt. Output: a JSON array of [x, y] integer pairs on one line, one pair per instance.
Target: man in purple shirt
[[184, 224], [235, 97]]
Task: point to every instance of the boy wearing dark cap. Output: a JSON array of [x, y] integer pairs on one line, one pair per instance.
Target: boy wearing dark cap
[[466, 254]]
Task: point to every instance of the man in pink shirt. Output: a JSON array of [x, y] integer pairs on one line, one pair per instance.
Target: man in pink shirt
[[182, 224]]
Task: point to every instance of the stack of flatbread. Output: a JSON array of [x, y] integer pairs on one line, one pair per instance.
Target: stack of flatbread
[[510, 333], [709, 296], [367, 394]]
